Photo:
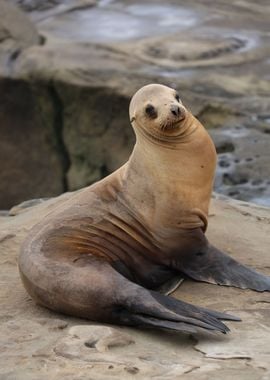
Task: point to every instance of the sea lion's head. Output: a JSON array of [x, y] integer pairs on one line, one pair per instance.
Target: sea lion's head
[[157, 111]]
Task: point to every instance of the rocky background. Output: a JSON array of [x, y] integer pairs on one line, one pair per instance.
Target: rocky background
[[68, 70]]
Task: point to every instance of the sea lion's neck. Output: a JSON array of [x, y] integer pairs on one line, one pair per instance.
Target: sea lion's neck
[[172, 187]]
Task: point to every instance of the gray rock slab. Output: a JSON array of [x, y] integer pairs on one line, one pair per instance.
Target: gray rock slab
[[31, 161], [84, 77], [243, 171], [38, 343], [17, 32]]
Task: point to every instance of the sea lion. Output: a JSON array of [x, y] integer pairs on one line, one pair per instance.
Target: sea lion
[[105, 252]]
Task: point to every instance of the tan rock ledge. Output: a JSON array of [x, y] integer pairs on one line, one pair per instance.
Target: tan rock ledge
[[37, 343]]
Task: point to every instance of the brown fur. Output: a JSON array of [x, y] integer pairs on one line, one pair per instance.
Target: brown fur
[[92, 256]]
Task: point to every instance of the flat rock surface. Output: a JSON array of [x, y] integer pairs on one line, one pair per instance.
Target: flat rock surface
[[37, 343], [80, 61]]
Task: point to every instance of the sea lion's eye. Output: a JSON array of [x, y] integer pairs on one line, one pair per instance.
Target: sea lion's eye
[[151, 111], [177, 97]]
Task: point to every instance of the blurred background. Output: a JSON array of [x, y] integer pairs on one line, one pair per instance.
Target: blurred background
[[68, 70]]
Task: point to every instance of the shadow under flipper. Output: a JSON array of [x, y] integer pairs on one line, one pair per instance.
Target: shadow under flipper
[[215, 267], [171, 285]]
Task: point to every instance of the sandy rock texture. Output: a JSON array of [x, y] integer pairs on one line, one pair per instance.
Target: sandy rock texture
[[37, 343], [30, 153], [79, 81]]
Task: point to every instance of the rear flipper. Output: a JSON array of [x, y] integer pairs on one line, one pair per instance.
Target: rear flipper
[[214, 266], [150, 309]]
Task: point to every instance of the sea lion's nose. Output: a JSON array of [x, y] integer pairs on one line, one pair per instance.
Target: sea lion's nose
[[175, 110]]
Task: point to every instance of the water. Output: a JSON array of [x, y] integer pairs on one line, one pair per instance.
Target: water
[[112, 22], [262, 201]]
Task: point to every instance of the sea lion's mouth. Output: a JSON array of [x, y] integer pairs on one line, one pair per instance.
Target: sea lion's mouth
[[173, 124]]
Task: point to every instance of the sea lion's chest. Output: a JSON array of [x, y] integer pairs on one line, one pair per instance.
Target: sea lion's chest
[[125, 235]]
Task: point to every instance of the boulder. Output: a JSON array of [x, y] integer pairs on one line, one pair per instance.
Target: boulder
[[16, 33], [31, 161], [30, 154]]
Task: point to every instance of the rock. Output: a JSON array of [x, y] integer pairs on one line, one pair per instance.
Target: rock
[[247, 344], [31, 161], [80, 79], [34, 5], [16, 26], [16, 33], [103, 138], [25, 205], [215, 115], [38, 343], [29, 149], [94, 339], [243, 154]]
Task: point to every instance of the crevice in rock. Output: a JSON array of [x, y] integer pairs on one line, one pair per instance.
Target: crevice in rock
[[194, 368], [91, 343], [5, 38], [225, 147], [58, 125], [14, 55], [11, 60], [104, 171], [42, 40], [7, 237]]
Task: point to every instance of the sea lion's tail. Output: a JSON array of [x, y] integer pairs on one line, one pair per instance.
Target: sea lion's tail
[[91, 288]]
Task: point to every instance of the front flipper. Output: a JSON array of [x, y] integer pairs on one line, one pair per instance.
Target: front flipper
[[213, 266]]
